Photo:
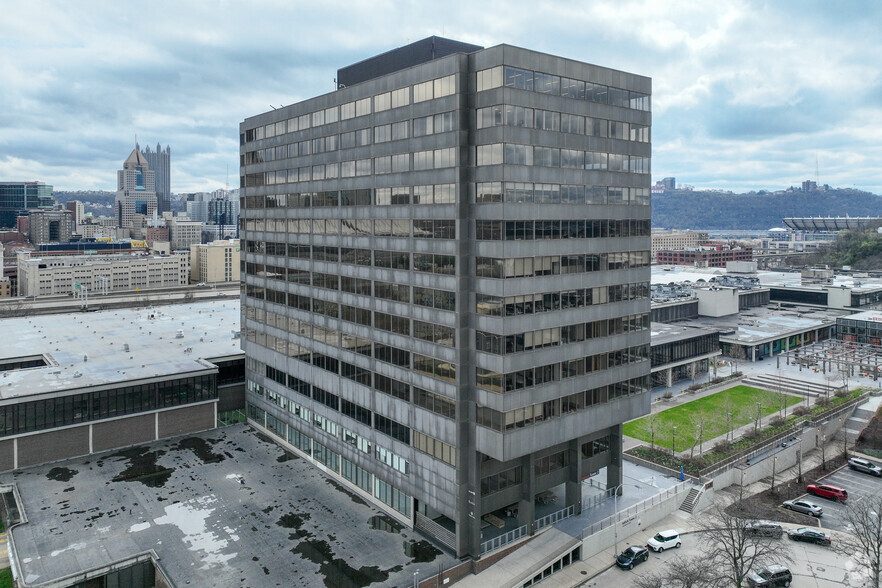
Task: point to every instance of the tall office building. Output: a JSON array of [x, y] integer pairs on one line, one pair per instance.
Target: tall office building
[[446, 280], [135, 189], [160, 163], [18, 197]]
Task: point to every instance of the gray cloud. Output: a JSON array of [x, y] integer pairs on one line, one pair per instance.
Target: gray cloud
[[747, 94]]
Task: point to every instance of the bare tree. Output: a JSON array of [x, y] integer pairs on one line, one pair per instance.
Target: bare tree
[[733, 552], [845, 375], [699, 421], [682, 572], [863, 542], [651, 425], [728, 410]]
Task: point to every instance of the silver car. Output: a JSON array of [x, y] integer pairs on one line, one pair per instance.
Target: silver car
[[863, 465], [804, 506]]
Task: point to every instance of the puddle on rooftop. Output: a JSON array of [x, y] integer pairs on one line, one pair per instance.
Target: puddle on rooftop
[[335, 570], [201, 447], [143, 467], [352, 496], [421, 551], [385, 523], [61, 474], [293, 520]]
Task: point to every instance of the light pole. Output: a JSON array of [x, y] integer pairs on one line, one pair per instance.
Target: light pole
[[774, 467], [416, 579], [616, 518], [673, 440], [759, 412]]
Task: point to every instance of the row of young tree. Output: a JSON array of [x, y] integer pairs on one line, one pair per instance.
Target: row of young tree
[[731, 551]]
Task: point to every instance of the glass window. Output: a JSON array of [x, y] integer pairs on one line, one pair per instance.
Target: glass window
[[382, 102], [423, 126], [596, 93], [399, 130], [400, 97], [401, 163], [546, 83], [347, 111], [331, 115], [423, 92], [514, 77], [572, 88], [363, 106], [489, 78], [518, 154]]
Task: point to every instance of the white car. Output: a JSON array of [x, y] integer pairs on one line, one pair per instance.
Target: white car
[[664, 540], [862, 465]]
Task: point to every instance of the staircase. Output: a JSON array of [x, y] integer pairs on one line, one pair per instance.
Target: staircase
[[777, 383], [855, 424], [691, 500]]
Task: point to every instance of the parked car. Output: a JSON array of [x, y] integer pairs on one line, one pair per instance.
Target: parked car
[[810, 535], [771, 575], [827, 491], [664, 540], [863, 465], [763, 528], [632, 556], [804, 506]]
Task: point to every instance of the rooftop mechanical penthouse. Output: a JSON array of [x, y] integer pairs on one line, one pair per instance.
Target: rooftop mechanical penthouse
[[446, 270]]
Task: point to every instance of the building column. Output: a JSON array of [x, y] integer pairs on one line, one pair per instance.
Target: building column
[[527, 502], [753, 353], [614, 468], [574, 481], [670, 376]]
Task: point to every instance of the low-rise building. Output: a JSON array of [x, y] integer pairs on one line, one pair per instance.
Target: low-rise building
[[77, 383], [679, 352], [214, 262], [676, 240], [705, 256], [49, 226], [44, 274]]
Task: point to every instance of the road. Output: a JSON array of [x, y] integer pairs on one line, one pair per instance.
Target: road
[[55, 304]]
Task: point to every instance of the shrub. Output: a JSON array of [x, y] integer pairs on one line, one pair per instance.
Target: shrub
[[842, 393], [668, 394], [694, 387], [801, 410], [778, 421], [737, 374], [723, 446], [717, 380], [821, 401], [752, 434]]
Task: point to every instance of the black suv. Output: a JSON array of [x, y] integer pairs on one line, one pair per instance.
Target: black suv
[[772, 575]]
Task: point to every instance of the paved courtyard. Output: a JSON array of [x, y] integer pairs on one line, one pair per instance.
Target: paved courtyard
[[222, 508]]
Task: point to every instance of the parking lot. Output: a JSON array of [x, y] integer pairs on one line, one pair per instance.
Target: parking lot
[[857, 484], [812, 565]]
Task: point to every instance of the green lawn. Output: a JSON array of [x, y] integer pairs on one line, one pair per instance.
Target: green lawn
[[6, 578], [711, 412]]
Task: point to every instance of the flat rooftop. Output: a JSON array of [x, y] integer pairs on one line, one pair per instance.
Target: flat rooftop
[[83, 349], [763, 323], [662, 333], [867, 315], [226, 504]]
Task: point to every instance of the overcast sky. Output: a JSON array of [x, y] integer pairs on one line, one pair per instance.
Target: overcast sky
[[746, 94]]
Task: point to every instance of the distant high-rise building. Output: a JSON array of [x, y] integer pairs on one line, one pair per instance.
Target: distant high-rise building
[[669, 183], [160, 163], [49, 226], [17, 197], [78, 210], [809, 186], [135, 189]]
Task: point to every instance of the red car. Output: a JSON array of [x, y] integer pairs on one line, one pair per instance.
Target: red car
[[827, 491]]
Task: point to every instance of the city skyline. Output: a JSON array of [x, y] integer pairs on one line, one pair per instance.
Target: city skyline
[[745, 95]]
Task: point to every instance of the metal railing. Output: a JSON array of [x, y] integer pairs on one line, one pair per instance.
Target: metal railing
[[633, 510], [498, 542], [554, 517]]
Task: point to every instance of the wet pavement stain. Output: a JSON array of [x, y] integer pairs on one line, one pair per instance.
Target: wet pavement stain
[[143, 467], [385, 523], [202, 448], [61, 474], [286, 456], [336, 571], [293, 520], [421, 551], [352, 496]]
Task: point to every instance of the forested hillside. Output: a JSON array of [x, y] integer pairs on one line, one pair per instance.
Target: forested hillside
[[760, 210]]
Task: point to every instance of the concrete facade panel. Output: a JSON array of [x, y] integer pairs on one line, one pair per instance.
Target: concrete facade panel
[[52, 446], [188, 419], [123, 432]]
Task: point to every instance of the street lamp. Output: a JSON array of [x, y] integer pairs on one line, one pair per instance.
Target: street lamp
[[416, 579], [616, 518], [673, 440]]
